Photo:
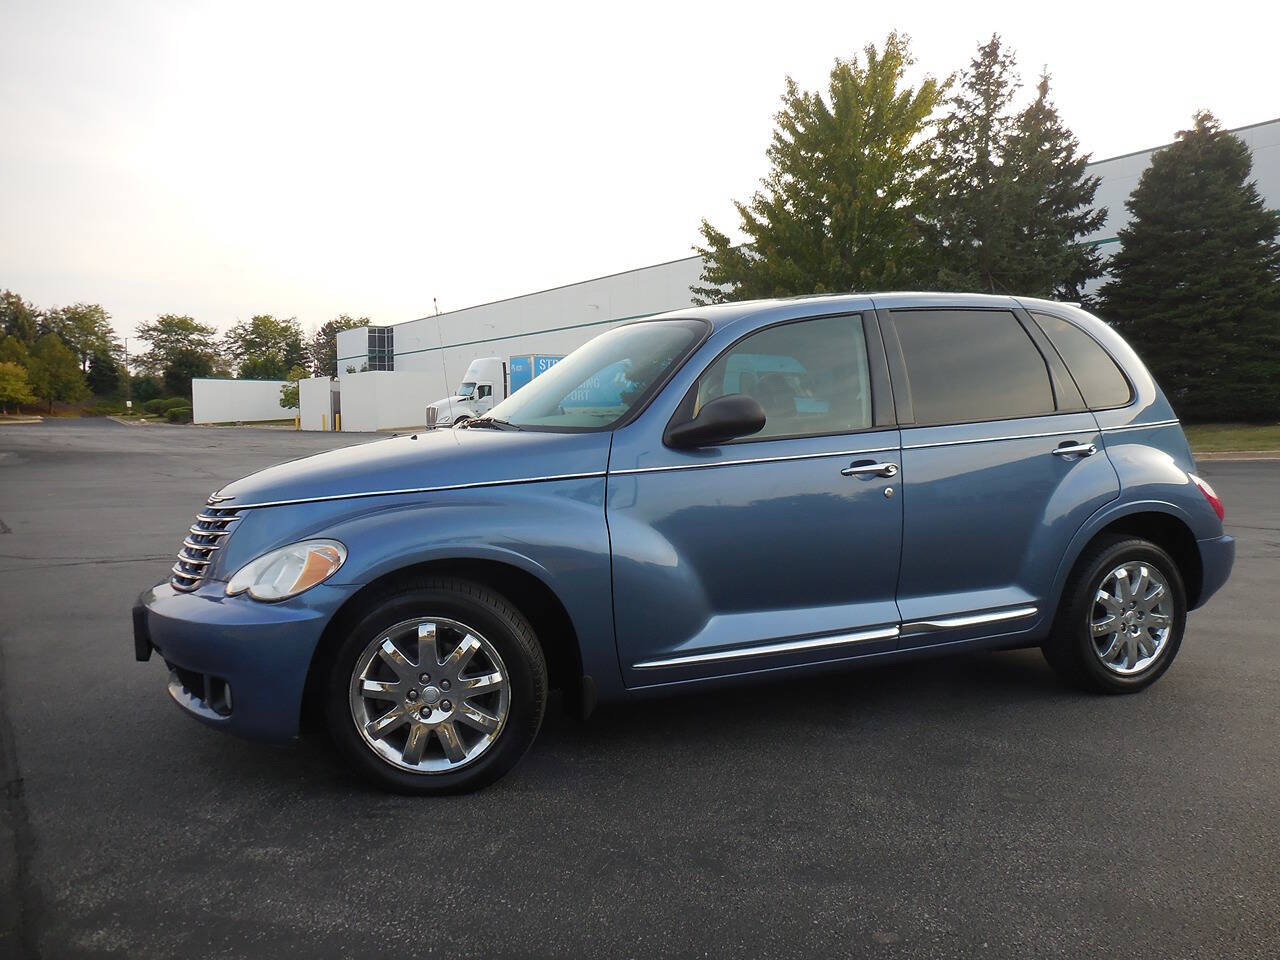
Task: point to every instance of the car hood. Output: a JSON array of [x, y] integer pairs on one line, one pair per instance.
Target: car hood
[[423, 461]]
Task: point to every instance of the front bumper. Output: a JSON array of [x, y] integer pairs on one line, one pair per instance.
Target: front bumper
[[235, 663], [1217, 555]]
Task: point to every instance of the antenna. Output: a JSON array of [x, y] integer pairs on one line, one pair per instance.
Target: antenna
[[440, 338]]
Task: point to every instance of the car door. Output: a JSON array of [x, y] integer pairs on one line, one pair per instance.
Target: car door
[[776, 550], [1001, 465]]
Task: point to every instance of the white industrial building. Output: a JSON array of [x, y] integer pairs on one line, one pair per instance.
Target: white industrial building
[[388, 375]]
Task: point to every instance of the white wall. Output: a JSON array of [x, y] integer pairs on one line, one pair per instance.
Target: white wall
[[555, 321], [237, 401], [313, 399], [353, 348], [384, 399]]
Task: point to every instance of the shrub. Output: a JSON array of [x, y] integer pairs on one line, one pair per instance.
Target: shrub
[[104, 408], [155, 406], [178, 414]]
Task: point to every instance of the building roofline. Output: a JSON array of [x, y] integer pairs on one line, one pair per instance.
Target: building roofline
[[562, 286], [1134, 153]]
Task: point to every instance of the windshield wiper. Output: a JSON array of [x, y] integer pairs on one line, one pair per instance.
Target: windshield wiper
[[491, 423]]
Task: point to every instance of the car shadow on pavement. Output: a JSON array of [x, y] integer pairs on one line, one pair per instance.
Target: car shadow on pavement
[[862, 708]]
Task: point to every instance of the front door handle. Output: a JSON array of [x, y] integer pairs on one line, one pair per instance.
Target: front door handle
[[1069, 449], [870, 469]]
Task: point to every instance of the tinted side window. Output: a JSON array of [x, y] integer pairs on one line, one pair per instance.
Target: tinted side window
[[1095, 373], [967, 365], [810, 376]]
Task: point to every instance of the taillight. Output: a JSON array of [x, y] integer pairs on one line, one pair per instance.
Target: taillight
[[1214, 500]]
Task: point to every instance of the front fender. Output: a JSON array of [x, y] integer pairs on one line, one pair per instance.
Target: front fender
[[552, 530]]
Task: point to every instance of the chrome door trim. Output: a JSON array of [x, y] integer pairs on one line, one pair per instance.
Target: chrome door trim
[[969, 620], [361, 494], [734, 463], [787, 646], [1019, 436], [1027, 437], [1141, 426]]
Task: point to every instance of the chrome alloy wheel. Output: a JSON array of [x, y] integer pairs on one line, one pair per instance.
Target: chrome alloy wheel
[[1132, 617], [429, 695]]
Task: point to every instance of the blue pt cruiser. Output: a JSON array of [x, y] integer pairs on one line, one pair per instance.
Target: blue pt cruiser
[[734, 491]]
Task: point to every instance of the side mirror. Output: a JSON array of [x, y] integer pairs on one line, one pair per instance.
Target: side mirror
[[719, 420]]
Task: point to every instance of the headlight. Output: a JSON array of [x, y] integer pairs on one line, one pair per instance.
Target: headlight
[[288, 571]]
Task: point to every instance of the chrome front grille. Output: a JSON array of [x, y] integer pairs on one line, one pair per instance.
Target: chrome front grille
[[432, 415], [212, 526]]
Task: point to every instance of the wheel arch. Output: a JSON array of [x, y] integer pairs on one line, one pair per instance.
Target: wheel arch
[[1161, 523], [528, 593]]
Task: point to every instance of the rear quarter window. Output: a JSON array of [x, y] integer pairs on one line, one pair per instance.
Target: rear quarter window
[[1098, 376]]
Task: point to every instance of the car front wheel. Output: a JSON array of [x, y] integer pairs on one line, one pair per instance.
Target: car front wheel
[[439, 688], [1121, 618]]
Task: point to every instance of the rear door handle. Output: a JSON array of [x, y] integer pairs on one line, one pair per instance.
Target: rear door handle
[[1071, 449], [870, 469]]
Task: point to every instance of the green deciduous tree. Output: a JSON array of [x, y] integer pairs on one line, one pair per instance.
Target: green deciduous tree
[[1196, 284], [84, 327], [322, 348], [54, 372], [838, 207], [18, 318], [1013, 200], [14, 389], [171, 334], [265, 348], [13, 350], [289, 391]]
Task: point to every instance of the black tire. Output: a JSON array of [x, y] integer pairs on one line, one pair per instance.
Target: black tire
[[1070, 646], [501, 624]]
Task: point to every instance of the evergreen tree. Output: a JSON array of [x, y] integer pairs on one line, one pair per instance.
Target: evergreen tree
[[973, 230], [837, 209], [1049, 205], [1196, 284], [1013, 200], [185, 365], [103, 375]]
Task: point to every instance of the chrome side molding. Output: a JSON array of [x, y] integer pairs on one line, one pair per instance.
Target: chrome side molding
[[968, 620], [842, 639], [787, 646]]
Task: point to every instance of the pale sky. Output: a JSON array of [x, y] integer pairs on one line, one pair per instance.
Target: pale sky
[[224, 159]]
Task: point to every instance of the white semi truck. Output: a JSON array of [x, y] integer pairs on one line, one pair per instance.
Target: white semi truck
[[488, 380]]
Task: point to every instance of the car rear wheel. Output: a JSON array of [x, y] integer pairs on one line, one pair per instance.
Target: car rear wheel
[[439, 688], [1121, 619]]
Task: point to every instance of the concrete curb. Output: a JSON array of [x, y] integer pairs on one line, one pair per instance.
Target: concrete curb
[[1238, 455], [7, 420]]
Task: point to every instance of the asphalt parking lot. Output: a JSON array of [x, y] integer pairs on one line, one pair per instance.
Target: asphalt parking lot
[[960, 807]]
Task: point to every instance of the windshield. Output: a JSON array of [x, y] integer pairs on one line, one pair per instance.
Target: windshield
[[604, 380], [467, 391]]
